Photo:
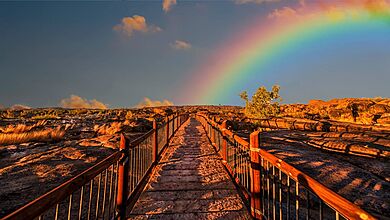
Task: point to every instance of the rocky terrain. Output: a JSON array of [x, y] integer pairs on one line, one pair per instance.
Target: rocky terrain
[[32, 162], [357, 110], [342, 143], [350, 155]]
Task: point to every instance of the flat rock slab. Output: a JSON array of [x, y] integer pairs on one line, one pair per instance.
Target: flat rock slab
[[190, 182]]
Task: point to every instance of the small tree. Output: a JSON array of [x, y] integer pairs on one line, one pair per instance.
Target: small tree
[[264, 103]]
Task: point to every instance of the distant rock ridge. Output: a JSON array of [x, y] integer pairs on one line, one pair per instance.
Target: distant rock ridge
[[357, 110]]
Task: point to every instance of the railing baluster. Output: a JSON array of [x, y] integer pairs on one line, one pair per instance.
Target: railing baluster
[[70, 207], [90, 198], [131, 170], [115, 191], [288, 197], [280, 195], [296, 200], [98, 197], [104, 193], [134, 166], [56, 213], [81, 202], [268, 190], [262, 182], [273, 193]]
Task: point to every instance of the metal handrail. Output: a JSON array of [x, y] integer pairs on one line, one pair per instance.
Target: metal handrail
[[276, 186], [106, 189]]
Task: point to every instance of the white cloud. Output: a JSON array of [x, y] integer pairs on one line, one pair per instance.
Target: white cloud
[[167, 4], [129, 25], [284, 12], [181, 45], [19, 107], [75, 101], [147, 102]]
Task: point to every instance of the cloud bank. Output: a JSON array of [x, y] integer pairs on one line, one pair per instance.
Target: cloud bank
[[137, 23], [75, 101], [240, 2], [19, 107], [181, 45], [147, 102], [167, 5], [333, 10]]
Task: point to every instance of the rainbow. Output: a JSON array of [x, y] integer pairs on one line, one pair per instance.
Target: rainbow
[[266, 40]]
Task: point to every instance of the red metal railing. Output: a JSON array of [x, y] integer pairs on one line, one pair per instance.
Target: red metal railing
[[109, 188], [273, 188]]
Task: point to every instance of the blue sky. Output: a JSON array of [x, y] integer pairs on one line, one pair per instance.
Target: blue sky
[[50, 50]]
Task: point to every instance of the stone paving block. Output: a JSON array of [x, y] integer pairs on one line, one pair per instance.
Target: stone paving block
[[185, 206], [190, 182], [202, 216], [188, 195]]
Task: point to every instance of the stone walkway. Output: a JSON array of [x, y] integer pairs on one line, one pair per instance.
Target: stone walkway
[[190, 182]]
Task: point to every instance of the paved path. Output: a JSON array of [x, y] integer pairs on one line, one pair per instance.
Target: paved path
[[190, 182]]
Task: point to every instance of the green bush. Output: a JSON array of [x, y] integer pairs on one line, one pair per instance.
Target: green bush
[[264, 103]]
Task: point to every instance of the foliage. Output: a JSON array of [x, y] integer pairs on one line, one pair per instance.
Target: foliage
[[264, 103]]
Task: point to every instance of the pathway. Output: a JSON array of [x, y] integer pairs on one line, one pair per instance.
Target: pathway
[[190, 182]]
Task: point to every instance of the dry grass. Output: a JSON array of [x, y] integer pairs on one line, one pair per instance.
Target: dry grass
[[34, 136], [111, 129], [21, 128]]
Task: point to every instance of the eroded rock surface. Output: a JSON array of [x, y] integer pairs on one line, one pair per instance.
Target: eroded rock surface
[[359, 176], [29, 170], [190, 182]]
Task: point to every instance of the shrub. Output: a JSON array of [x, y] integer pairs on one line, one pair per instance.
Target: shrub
[[264, 103]]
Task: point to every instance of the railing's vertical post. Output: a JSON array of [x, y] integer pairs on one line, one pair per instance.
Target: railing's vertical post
[[255, 175], [173, 124], [224, 142], [167, 129], [155, 142], [212, 131], [123, 178], [177, 120]]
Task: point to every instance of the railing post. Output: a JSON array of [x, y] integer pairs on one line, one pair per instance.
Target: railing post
[[167, 129], [155, 142], [177, 121], [224, 142], [172, 124], [255, 175], [212, 134], [123, 179]]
